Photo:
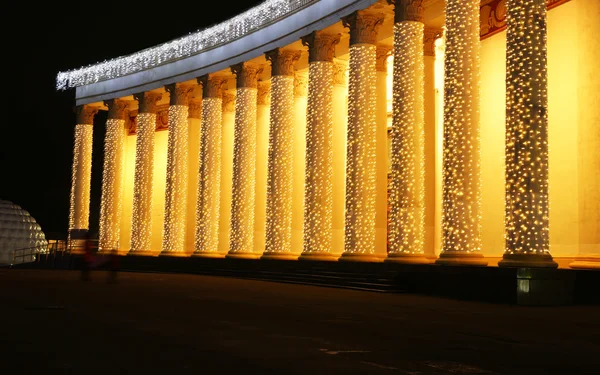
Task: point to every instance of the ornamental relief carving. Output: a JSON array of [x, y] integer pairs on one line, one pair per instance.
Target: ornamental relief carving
[[282, 62], [264, 93], [246, 74], [364, 26], [147, 101], [228, 101], [407, 10], [116, 108], [321, 46], [85, 114], [162, 120], [195, 108], [300, 84], [212, 86], [429, 38], [340, 73], [179, 94], [493, 15], [382, 54]]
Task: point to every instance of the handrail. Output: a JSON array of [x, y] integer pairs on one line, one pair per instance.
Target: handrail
[[25, 252]]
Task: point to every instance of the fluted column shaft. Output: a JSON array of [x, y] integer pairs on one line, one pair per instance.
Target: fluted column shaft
[[319, 123], [407, 195], [361, 156], [176, 189], [209, 177], [141, 222], [112, 177], [281, 153], [526, 213], [81, 172], [244, 162], [461, 208]]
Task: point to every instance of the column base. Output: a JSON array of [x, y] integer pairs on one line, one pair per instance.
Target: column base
[[586, 263], [350, 257], [241, 255], [527, 261], [279, 256], [318, 257], [176, 254], [140, 253], [459, 258], [207, 254], [406, 258]]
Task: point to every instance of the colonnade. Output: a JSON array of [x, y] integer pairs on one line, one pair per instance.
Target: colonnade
[[338, 210]]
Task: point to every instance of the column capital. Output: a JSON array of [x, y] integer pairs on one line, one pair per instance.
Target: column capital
[[147, 101], [85, 114], [195, 108], [321, 46], [364, 26], [407, 10], [179, 94], [300, 84], [246, 74], [430, 36], [340, 67], [382, 55], [116, 108], [228, 101], [264, 93], [212, 85], [282, 61]]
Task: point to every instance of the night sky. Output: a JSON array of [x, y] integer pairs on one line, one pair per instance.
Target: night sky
[[36, 143]]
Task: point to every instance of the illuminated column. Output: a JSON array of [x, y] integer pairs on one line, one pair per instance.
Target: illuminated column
[[461, 191], [227, 124], [431, 152], [381, 152], [194, 125], [281, 156], [318, 195], [407, 193], [361, 159], [526, 212], [262, 155], [141, 222], [177, 160], [300, 92], [209, 175], [81, 173], [244, 163], [339, 109], [112, 176]]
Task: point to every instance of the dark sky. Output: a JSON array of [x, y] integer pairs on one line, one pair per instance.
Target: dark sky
[[36, 143]]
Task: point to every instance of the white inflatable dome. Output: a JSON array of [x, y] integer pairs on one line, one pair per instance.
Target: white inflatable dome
[[19, 230]]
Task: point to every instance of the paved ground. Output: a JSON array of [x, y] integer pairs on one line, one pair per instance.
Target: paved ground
[[188, 324]]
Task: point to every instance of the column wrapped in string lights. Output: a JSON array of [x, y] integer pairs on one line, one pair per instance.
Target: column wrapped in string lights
[[81, 172], [526, 211], [244, 162], [461, 180], [361, 158], [228, 125], [407, 195], [177, 159], [263, 106], [112, 176], [209, 176], [141, 221], [318, 194], [194, 125], [339, 111], [281, 152], [300, 105]]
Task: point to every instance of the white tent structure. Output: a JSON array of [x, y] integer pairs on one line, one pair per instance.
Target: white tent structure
[[19, 231]]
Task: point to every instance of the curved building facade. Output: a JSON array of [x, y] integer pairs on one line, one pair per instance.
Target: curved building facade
[[413, 131]]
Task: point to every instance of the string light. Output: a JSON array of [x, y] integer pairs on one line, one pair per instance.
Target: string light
[[209, 179], [244, 161], [112, 185], [176, 183], [81, 172], [245, 23], [527, 211], [141, 222], [461, 212], [407, 193]]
